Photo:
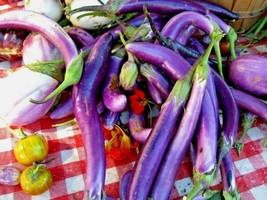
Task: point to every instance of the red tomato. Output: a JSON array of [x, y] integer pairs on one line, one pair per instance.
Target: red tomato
[[35, 180], [32, 148]]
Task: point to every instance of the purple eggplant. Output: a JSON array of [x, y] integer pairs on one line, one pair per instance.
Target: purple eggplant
[[158, 6], [17, 89], [208, 127], [66, 109], [178, 22], [154, 147], [113, 98], [29, 20], [80, 36], [218, 10], [161, 57], [248, 72], [124, 184], [154, 93], [181, 140], [85, 111], [250, 103], [137, 127], [207, 131], [111, 118], [179, 144], [227, 169], [63, 110], [230, 115], [156, 77]]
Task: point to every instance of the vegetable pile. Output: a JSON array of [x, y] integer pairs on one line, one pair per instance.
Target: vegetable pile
[[135, 56]]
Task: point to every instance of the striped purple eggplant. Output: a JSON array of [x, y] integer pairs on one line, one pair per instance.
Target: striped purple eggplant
[[29, 20]]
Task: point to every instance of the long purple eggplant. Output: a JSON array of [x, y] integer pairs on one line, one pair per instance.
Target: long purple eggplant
[[170, 62], [124, 184], [153, 149], [230, 115], [79, 35], [154, 93], [113, 98], [206, 133], [218, 10], [181, 21], [155, 76], [228, 178], [178, 22], [181, 140], [179, 144], [159, 6], [250, 103], [85, 112]]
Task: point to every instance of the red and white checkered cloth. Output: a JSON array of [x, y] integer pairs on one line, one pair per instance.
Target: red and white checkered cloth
[[68, 166]]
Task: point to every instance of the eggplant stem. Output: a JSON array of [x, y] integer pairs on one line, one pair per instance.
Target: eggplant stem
[[72, 76], [232, 38]]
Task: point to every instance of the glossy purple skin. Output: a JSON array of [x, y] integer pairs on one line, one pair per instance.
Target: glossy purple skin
[[110, 119], [155, 76], [154, 93], [29, 20], [249, 73], [85, 111], [145, 169], [250, 103], [220, 11], [228, 173], [112, 97], [166, 59], [124, 184], [79, 35], [207, 133], [162, 7], [180, 21], [181, 140], [137, 127], [63, 110], [229, 108]]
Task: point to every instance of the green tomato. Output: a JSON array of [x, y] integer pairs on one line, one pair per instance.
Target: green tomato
[[32, 148], [36, 179]]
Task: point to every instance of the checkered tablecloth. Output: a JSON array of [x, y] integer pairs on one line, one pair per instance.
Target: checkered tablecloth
[[68, 166]]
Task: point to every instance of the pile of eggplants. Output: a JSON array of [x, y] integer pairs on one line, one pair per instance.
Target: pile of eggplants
[[161, 45]]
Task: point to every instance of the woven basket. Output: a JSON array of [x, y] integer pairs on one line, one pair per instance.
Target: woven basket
[[249, 11]]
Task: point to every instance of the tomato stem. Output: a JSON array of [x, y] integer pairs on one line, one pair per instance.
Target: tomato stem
[[22, 132]]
